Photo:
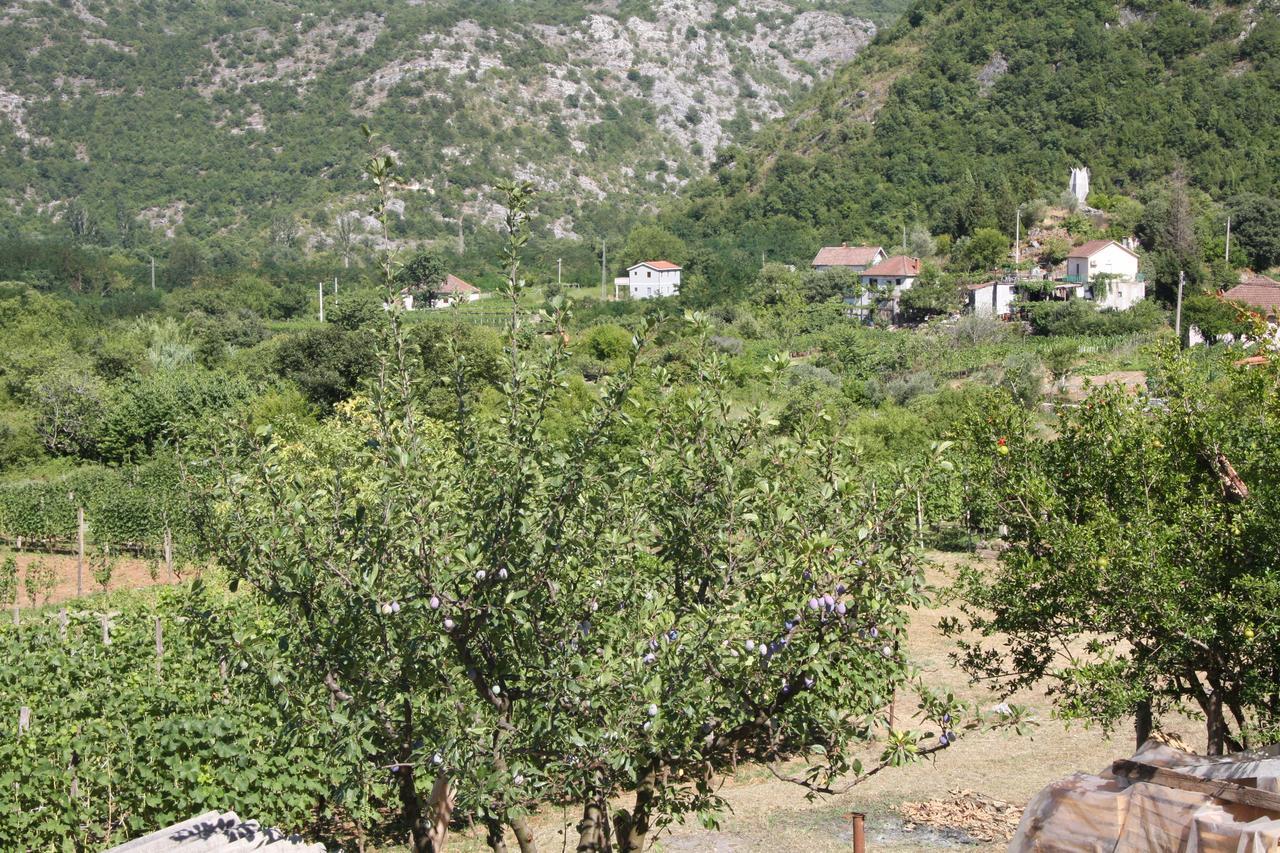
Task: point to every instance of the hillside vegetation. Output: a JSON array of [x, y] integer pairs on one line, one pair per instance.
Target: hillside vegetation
[[122, 118], [964, 110]]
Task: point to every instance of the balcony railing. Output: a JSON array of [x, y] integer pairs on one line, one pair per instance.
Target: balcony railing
[[1084, 279]]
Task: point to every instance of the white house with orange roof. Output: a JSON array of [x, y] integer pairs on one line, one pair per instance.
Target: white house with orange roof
[[451, 291], [653, 280], [883, 283], [1107, 273]]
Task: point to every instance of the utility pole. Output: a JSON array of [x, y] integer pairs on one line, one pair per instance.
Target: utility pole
[[1177, 319], [335, 285], [1228, 241], [559, 270], [604, 254], [1017, 240], [904, 237], [321, 288], [462, 246], [153, 270]]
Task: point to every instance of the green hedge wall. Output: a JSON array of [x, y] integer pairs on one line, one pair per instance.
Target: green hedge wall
[[124, 507]]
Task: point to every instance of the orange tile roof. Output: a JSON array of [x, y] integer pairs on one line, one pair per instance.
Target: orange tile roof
[[898, 265], [1093, 247], [657, 265], [453, 284], [1256, 291], [845, 255]]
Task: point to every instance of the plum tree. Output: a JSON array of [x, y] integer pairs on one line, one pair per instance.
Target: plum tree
[[506, 615]]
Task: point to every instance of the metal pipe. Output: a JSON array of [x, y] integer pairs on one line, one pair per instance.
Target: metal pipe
[[859, 832]]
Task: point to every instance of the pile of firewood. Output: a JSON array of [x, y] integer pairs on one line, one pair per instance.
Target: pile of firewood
[[978, 816]]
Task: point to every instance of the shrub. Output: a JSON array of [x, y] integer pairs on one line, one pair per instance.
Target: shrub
[[1078, 317], [1023, 377], [608, 343]]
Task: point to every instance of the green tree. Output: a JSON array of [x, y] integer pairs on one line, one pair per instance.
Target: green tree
[[986, 249], [1255, 222], [327, 364], [423, 275], [509, 615], [1141, 572], [652, 243]]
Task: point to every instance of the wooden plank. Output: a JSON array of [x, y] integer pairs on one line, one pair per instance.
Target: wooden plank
[[1219, 789]]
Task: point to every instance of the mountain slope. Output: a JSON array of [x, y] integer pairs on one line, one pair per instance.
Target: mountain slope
[[965, 109], [214, 116]]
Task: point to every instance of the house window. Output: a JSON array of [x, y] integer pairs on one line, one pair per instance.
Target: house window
[[648, 275]]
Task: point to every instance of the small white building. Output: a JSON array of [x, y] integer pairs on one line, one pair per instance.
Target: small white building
[[1109, 272], [653, 280], [846, 257], [993, 299], [452, 291]]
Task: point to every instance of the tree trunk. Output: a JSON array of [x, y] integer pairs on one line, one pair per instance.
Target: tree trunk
[[591, 830], [1215, 725], [496, 835], [428, 830], [1142, 722], [524, 834], [633, 828]]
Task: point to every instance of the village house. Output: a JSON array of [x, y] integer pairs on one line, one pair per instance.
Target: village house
[[846, 257], [452, 291], [1255, 293], [653, 280], [885, 282], [1259, 294], [1106, 273], [994, 298]]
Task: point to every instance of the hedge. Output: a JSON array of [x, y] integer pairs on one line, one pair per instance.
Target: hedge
[[125, 507]]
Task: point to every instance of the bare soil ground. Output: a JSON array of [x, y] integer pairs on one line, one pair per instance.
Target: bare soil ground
[[1132, 380], [130, 573], [769, 815]]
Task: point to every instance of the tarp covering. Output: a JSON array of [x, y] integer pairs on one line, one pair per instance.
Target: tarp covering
[[1106, 812]]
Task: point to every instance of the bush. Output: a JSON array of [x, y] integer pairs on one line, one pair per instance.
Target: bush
[[608, 343], [1077, 317], [1023, 377]]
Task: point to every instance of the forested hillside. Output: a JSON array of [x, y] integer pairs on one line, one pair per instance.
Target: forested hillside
[[206, 118], [966, 109]]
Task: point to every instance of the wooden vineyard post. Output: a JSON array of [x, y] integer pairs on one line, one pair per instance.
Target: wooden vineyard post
[[17, 615], [859, 832], [63, 619], [168, 551], [106, 626], [24, 720], [79, 551], [159, 645]]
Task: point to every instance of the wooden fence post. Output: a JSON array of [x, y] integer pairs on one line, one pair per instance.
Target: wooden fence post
[[24, 720], [63, 619], [79, 551], [159, 645], [168, 551], [17, 615]]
